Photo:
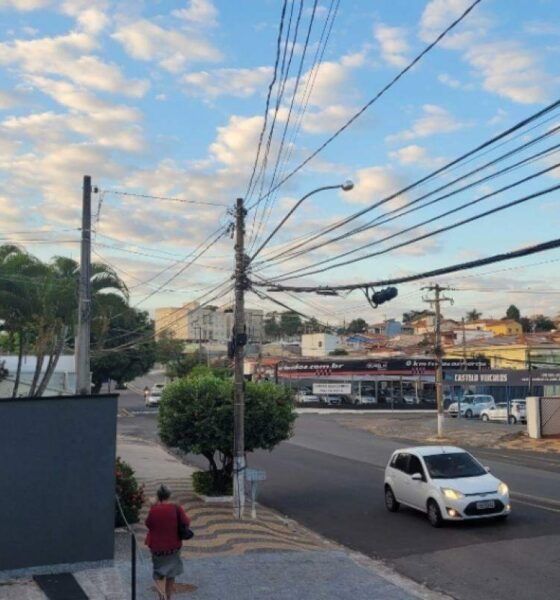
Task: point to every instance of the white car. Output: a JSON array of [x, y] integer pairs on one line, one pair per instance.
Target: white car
[[446, 483], [303, 398], [499, 412], [364, 399], [471, 405], [154, 396]]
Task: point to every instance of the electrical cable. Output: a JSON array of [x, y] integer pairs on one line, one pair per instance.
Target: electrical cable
[[370, 102], [167, 198], [290, 254], [527, 251], [432, 233], [427, 221]]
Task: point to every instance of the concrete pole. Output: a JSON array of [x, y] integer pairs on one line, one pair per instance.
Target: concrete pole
[[239, 341], [83, 369]]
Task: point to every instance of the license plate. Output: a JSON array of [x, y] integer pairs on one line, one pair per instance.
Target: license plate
[[485, 504]]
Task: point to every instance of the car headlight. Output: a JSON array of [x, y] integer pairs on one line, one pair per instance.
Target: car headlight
[[503, 489], [452, 494]]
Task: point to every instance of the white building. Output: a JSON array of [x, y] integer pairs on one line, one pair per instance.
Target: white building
[[318, 344], [62, 382]]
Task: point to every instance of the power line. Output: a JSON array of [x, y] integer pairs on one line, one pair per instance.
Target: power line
[[370, 102], [290, 254], [167, 198], [528, 251], [423, 223], [432, 233]]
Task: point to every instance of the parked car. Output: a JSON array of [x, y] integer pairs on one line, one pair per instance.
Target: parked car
[[499, 412], [446, 483], [471, 405], [410, 398], [364, 399], [334, 400], [305, 397]]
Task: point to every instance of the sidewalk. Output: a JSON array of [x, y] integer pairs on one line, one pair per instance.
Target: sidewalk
[[270, 557]]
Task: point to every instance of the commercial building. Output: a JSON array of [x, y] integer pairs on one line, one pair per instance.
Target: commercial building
[[193, 322], [318, 344]]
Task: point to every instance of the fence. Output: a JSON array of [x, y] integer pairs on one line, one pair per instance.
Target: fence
[[550, 416]]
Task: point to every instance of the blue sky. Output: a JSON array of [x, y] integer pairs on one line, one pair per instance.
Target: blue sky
[[166, 98]]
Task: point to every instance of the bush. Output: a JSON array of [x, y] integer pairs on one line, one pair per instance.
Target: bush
[[130, 494], [205, 484]]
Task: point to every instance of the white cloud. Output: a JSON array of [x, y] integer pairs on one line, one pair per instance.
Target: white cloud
[[327, 120], [373, 184], [144, 40], [509, 70], [236, 142], [416, 155], [198, 13], [25, 5], [435, 120], [65, 56], [7, 100], [453, 83], [394, 46], [241, 83], [92, 20]]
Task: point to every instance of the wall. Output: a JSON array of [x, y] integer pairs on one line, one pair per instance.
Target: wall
[[318, 344], [57, 475]]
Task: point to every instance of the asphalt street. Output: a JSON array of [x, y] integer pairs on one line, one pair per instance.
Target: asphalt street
[[330, 478]]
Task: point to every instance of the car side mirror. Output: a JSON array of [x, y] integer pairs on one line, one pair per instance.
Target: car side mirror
[[487, 469], [417, 477]]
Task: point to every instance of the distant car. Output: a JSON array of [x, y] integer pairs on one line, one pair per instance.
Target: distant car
[[499, 412], [304, 398], [154, 396], [334, 400], [364, 399], [411, 399], [471, 405], [446, 483]]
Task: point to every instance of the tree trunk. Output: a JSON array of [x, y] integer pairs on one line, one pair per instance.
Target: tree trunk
[[53, 361], [37, 373], [19, 363]]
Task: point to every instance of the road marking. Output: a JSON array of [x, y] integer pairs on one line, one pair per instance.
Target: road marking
[[556, 510], [536, 498]]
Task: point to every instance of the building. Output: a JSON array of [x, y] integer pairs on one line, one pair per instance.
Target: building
[[424, 325], [193, 322], [318, 344], [512, 352], [496, 326], [388, 328], [62, 382]]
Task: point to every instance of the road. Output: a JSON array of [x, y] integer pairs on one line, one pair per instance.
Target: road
[[330, 479]]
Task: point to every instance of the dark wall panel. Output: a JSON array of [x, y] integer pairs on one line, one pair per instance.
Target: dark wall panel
[[57, 480]]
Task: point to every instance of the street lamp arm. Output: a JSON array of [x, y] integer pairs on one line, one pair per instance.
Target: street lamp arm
[[345, 186]]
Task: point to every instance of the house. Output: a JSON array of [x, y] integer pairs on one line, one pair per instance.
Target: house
[[389, 328], [496, 326], [318, 344], [62, 382]]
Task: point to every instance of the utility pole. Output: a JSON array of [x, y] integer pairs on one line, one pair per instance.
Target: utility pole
[[83, 369], [438, 351], [239, 341]]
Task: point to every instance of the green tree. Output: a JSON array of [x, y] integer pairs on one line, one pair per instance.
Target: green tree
[[196, 415], [339, 352], [183, 365], [168, 349], [290, 324], [412, 315], [473, 315], [543, 323], [513, 313], [526, 324], [271, 327], [357, 326]]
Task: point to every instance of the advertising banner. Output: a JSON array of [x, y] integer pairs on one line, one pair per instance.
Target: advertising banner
[[321, 389]]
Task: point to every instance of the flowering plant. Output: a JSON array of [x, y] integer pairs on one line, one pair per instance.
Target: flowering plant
[[130, 494]]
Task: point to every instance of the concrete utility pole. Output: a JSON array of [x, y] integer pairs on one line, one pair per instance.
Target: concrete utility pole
[[436, 302], [83, 369], [239, 341]]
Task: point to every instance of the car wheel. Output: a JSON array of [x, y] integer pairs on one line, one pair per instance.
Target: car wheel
[[485, 418], [468, 414], [434, 514], [512, 420], [390, 501]]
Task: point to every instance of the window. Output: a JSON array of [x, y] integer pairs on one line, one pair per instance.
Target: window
[[320, 344], [415, 466], [400, 462], [453, 465]]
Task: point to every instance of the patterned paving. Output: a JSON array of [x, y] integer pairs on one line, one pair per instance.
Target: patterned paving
[[218, 533]]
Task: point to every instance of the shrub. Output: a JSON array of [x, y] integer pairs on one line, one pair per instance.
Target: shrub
[[204, 483], [131, 495]]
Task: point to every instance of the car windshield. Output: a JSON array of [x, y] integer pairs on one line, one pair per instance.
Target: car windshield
[[453, 465]]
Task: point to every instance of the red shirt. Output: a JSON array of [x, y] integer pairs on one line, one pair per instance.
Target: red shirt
[[162, 526]]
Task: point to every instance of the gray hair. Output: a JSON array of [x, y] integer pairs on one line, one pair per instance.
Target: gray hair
[[163, 493]]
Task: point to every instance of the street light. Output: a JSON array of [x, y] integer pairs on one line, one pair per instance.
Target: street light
[[345, 187]]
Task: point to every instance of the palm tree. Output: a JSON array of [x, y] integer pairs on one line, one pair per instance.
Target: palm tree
[[473, 315]]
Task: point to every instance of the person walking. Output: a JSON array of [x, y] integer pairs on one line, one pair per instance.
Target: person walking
[[146, 393], [164, 542]]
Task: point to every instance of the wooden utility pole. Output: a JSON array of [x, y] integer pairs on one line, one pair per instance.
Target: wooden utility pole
[[438, 350], [239, 341], [83, 369]]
